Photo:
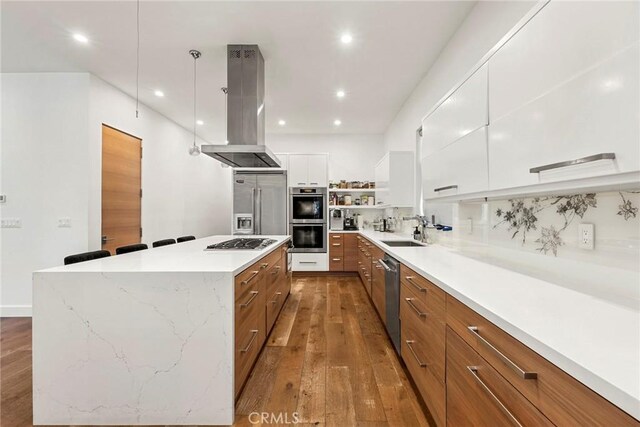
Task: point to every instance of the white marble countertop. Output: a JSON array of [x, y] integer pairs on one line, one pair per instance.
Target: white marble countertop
[[182, 257], [595, 340]]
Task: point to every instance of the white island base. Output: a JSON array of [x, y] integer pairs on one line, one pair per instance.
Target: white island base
[[141, 338]]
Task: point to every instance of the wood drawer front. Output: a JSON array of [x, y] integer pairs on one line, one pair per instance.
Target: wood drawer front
[[429, 294], [271, 259], [477, 395], [247, 349], [378, 294], [274, 305], [427, 330], [350, 251], [274, 275], [376, 253], [336, 262], [563, 399], [247, 280], [336, 248], [432, 390], [336, 237]]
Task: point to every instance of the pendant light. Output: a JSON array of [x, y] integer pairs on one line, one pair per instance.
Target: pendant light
[[194, 150]]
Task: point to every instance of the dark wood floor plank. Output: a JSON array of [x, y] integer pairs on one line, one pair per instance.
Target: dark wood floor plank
[[339, 404], [260, 383]]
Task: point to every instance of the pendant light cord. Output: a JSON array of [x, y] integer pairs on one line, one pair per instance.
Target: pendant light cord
[[137, 56], [194, 99]]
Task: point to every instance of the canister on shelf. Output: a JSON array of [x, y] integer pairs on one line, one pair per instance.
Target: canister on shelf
[[347, 199], [372, 201], [365, 199], [357, 202]]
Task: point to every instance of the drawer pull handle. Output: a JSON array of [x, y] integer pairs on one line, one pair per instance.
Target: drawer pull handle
[[415, 355], [474, 372], [276, 270], [253, 275], [265, 265], [447, 187], [525, 375], [418, 287], [336, 259], [275, 301], [336, 236], [412, 305], [254, 294], [588, 159], [254, 333], [336, 244]]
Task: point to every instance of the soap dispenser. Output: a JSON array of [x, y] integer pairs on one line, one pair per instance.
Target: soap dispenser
[[416, 234]]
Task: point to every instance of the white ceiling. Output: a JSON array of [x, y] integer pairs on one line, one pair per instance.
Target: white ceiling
[[394, 44]]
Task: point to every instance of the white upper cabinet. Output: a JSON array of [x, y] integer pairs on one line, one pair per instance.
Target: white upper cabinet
[[307, 170], [464, 111], [284, 160], [565, 88], [395, 179], [459, 168], [561, 42]]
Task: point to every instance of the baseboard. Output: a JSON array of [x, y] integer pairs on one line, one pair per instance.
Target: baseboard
[[15, 311]]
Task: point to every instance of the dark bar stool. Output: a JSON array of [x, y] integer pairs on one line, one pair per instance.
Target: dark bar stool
[[86, 256], [164, 242], [131, 248], [185, 238]]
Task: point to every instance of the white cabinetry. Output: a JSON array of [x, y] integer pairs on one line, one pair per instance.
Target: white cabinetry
[[308, 170], [310, 262], [459, 168], [464, 111], [563, 88], [395, 179], [284, 160]]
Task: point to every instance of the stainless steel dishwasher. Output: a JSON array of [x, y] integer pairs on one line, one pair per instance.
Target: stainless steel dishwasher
[[392, 298]]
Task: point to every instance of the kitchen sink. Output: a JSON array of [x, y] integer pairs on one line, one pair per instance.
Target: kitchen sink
[[401, 243]]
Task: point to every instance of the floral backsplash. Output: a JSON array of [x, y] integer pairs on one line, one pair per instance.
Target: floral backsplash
[[548, 225]]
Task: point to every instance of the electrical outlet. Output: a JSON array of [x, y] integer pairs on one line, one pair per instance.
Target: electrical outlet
[[3, 198], [64, 222], [586, 236], [11, 223]]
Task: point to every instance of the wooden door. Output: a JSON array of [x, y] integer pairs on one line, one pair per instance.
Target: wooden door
[[121, 189]]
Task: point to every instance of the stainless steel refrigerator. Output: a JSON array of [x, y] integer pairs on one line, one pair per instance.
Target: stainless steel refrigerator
[[260, 202]]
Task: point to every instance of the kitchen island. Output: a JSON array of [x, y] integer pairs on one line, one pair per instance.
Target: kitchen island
[[147, 337]]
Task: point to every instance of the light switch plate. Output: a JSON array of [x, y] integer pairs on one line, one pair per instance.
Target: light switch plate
[[11, 223], [586, 236], [64, 222]]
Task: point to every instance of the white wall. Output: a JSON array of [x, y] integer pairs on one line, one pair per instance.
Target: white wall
[[182, 194], [485, 25], [51, 169], [44, 175], [351, 157]]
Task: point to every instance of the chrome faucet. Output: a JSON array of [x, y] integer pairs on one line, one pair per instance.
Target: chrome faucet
[[423, 223]]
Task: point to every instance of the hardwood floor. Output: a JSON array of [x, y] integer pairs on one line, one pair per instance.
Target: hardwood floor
[[328, 361]]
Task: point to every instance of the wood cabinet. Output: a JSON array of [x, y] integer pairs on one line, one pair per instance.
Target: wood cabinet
[[260, 292], [566, 87], [471, 372], [308, 170], [477, 395], [350, 251], [343, 252], [464, 111], [395, 176], [562, 399], [459, 168]]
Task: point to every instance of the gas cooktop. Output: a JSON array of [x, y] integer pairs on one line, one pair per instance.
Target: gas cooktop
[[243, 243]]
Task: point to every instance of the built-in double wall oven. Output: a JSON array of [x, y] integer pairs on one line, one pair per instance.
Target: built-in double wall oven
[[308, 219]]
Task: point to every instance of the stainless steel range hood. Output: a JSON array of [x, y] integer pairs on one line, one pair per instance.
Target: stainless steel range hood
[[245, 119]]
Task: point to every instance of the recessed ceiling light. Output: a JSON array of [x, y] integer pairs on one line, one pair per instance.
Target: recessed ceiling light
[[159, 93], [337, 122], [340, 94], [282, 122], [199, 122], [81, 38], [346, 38]]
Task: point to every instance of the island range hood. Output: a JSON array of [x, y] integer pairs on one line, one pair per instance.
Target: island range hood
[[245, 117]]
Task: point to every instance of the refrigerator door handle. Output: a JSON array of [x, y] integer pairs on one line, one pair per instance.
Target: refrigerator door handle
[[253, 210], [258, 215]]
